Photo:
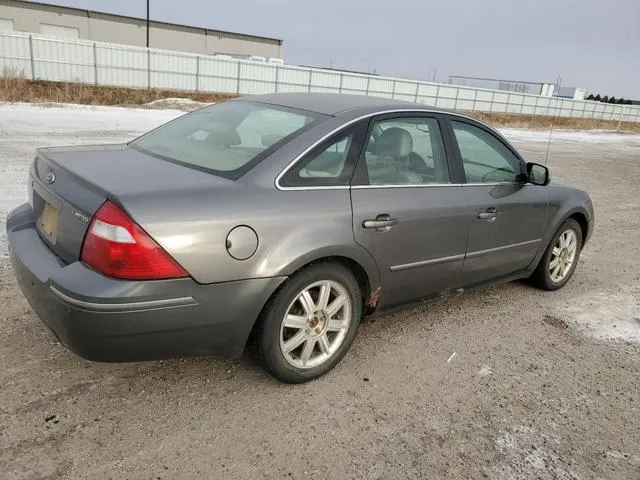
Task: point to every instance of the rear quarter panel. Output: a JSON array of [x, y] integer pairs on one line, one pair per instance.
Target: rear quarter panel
[[293, 228]]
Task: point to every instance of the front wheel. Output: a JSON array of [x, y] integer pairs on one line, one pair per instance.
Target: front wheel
[[310, 324], [560, 259]]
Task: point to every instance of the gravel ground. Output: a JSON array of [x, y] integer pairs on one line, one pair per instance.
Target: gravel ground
[[542, 385]]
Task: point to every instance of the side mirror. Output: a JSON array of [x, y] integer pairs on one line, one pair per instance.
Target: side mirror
[[538, 174]]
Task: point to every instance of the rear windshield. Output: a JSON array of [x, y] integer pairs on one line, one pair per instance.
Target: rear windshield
[[228, 138]]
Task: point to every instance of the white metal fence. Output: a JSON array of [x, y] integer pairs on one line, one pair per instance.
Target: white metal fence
[[44, 58]]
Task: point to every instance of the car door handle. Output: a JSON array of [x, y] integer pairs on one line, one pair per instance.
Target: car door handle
[[381, 222], [489, 214]]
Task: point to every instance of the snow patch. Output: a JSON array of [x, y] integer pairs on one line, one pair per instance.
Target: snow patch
[[612, 315], [530, 453], [176, 103], [573, 136]]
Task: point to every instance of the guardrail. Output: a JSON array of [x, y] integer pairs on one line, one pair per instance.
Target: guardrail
[[46, 58]]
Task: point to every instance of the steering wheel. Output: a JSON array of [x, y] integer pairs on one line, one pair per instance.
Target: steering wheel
[[485, 177]]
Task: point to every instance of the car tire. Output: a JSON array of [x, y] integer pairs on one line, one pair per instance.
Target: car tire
[[302, 314], [559, 261]]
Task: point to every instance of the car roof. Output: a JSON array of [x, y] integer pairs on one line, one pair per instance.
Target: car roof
[[336, 103]]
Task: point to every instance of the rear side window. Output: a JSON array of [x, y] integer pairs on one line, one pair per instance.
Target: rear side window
[[406, 151], [228, 138], [329, 164]]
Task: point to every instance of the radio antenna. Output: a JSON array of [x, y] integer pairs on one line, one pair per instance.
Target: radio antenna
[[553, 121]]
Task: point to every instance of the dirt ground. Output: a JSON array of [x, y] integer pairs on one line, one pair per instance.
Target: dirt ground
[[542, 385]]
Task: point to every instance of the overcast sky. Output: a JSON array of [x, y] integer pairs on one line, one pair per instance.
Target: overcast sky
[[594, 44]]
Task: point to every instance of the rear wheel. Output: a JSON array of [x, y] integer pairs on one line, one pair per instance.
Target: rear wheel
[[560, 259], [310, 324]]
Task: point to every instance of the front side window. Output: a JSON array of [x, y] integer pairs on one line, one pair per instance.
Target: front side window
[[228, 138], [406, 151], [486, 158]]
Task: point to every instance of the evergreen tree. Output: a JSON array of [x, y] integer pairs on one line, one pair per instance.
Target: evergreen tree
[[597, 98], [612, 100], [590, 97], [605, 99]]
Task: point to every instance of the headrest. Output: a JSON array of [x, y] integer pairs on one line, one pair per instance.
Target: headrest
[[221, 134], [394, 142], [269, 140]]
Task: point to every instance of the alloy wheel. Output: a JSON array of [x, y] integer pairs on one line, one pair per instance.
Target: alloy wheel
[[315, 324], [563, 255]]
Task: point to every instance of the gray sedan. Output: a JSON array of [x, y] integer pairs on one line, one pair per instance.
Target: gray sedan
[[282, 220]]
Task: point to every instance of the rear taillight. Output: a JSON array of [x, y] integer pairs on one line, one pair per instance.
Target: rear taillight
[[116, 246]]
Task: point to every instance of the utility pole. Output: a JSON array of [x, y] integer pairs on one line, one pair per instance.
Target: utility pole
[[147, 23]]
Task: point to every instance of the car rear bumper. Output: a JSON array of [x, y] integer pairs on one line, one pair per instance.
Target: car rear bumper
[[106, 319]]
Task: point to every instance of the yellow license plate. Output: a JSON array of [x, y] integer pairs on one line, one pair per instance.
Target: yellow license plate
[[48, 221]]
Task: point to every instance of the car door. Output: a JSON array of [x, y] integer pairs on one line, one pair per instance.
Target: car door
[[406, 211], [508, 214]]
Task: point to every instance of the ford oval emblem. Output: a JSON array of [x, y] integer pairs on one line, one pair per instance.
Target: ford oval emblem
[[50, 178]]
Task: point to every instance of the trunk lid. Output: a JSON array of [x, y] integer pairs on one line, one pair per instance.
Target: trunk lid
[[68, 185]]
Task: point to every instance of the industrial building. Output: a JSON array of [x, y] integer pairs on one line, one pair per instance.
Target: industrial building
[[75, 23], [517, 86], [571, 92]]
